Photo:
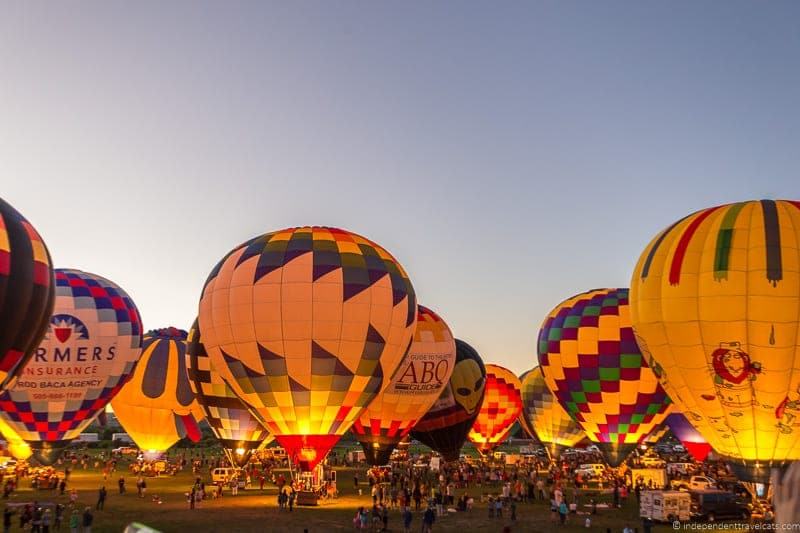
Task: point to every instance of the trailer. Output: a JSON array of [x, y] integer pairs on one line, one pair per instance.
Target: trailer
[[665, 505]]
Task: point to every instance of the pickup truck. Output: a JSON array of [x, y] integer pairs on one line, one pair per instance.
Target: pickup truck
[[694, 483]]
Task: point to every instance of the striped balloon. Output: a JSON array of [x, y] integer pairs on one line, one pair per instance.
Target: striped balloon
[[715, 301], [157, 407], [27, 292]]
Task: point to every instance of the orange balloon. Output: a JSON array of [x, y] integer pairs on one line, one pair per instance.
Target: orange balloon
[[502, 405]]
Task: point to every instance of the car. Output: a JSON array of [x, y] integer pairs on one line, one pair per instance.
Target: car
[[712, 505], [694, 483], [652, 462], [225, 474], [679, 448], [591, 469], [125, 450]]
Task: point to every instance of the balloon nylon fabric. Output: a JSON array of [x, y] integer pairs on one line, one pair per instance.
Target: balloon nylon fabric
[[715, 302], [27, 292], [305, 324]]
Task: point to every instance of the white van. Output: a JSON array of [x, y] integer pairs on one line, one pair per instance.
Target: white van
[[225, 474]]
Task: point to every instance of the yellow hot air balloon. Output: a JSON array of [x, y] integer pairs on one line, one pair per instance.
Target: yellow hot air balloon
[[157, 407], [543, 417], [715, 304], [305, 324], [416, 385], [502, 405]]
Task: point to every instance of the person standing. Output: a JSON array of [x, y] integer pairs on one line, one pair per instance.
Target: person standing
[[101, 498], [74, 522], [88, 518], [121, 483], [7, 514], [427, 520], [59, 516], [407, 519], [47, 519]]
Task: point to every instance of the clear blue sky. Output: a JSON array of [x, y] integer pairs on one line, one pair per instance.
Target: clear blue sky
[[508, 154]]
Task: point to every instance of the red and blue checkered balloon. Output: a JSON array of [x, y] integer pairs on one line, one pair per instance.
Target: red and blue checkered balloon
[[91, 348]]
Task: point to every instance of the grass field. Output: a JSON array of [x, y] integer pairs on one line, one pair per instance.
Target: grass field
[[254, 510]]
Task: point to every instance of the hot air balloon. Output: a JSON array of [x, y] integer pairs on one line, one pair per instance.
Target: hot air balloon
[[691, 439], [305, 324], [87, 355], [501, 406], [415, 386], [237, 429], [715, 300], [590, 360], [657, 434], [445, 426], [27, 292], [157, 407], [543, 416], [18, 448]]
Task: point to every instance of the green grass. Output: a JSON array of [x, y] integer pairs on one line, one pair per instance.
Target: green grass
[[254, 510]]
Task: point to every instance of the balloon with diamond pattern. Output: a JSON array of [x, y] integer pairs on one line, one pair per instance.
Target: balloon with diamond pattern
[[593, 365], [306, 324]]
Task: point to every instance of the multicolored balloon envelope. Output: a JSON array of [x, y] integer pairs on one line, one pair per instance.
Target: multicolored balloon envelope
[[501, 406], [591, 362], [544, 417], [237, 429], [691, 439], [89, 352], [27, 292], [444, 428], [715, 303], [305, 324], [417, 383], [157, 407]]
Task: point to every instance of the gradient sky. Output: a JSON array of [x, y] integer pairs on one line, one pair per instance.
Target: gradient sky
[[508, 154]]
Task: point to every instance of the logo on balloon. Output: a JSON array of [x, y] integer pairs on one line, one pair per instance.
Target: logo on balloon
[[65, 326], [422, 373], [734, 374]]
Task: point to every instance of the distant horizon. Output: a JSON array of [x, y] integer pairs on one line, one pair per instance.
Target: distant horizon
[[509, 156]]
